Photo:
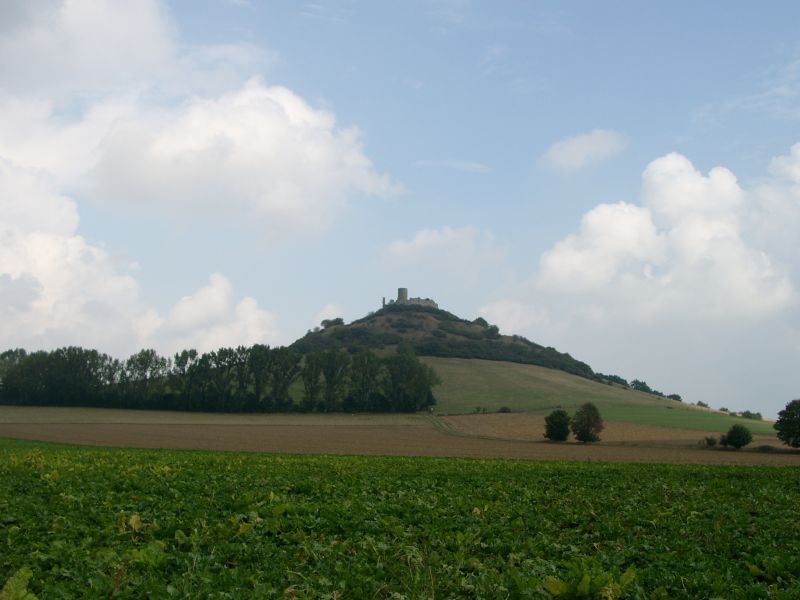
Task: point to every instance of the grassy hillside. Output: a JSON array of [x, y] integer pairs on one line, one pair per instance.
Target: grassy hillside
[[469, 383]]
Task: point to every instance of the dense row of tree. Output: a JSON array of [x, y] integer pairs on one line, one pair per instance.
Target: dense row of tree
[[636, 384], [244, 379]]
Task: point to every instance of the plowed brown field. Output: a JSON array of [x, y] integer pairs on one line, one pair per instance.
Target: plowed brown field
[[477, 436]]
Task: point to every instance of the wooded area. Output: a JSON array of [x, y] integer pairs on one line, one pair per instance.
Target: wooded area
[[243, 379]]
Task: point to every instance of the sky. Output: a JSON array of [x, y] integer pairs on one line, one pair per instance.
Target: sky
[[620, 181]]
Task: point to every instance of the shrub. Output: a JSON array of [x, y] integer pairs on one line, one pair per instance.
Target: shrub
[[701, 403], [737, 437], [756, 416], [556, 426], [504, 409], [587, 423], [710, 441], [788, 424]]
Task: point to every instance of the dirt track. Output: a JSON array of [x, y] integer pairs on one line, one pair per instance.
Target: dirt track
[[478, 436]]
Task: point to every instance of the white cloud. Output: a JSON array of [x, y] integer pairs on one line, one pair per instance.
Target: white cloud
[[100, 100], [82, 46], [787, 166], [58, 289], [673, 287], [261, 151], [576, 152], [208, 319], [176, 127], [683, 250]]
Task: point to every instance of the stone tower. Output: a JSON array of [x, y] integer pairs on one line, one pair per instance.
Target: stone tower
[[402, 294]]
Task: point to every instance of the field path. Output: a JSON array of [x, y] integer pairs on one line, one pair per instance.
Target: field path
[[473, 436]]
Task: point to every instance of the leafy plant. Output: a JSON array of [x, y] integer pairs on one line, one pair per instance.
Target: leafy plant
[[16, 588], [587, 579]]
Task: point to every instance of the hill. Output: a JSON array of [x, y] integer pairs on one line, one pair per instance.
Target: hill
[[430, 331], [468, 384]]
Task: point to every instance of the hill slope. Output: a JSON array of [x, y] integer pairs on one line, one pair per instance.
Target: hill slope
[[479, 367], [468, 384], [434, 332]]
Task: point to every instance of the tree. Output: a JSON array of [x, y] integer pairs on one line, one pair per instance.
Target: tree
[[285, 369], [365, 383], [408, 382], [556, 426], [587, 424], [737, 437], [641, 386], [788, 424], [260, 362], [335, 365], [311, 375]]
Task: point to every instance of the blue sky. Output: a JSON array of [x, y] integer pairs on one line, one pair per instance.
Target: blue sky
[[618, 180]]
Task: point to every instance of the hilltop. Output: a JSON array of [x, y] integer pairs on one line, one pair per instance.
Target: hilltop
[[481, 369], [431, 331]]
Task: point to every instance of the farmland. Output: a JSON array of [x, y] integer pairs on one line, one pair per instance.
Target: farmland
[[477, 436], [467, 384], [138, 523]]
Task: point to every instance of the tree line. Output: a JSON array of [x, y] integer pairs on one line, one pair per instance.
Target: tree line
[[243, 379]]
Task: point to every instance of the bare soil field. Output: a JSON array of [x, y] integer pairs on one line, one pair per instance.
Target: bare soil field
[[517, 436], [526, 426]]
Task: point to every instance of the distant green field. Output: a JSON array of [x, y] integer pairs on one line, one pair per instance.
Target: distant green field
[[469, 383], [91, 522]]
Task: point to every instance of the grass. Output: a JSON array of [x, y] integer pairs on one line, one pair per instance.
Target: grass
[[88, 522], [467, 384]]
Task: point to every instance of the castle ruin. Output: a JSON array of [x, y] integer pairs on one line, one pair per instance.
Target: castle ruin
[[402, 298]]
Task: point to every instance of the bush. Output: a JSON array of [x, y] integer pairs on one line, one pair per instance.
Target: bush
[[504, 409], [755, 416], [587, 424], [710, 441], [788, 424], [737, 437], [556, 426]]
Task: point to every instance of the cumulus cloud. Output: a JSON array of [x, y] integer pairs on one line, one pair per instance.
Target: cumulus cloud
[[209, 319], [58, 289], [178, 127], [787, 166], [576, 152], [260, 150], [100, 100], [681, 250], [78, 46], [665, 285]]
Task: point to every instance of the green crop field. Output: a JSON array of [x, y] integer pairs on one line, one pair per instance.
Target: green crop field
[[469, 383], [88, 522]]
